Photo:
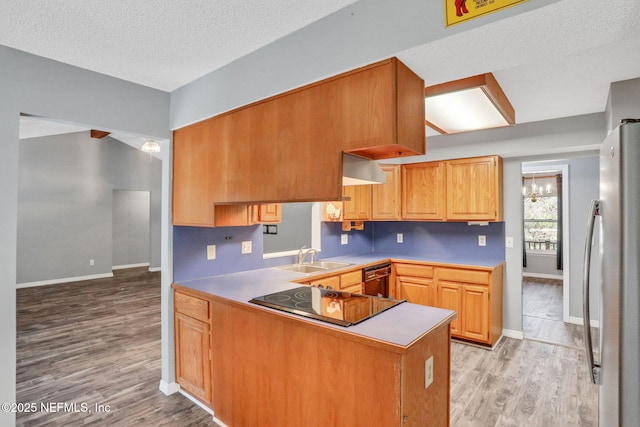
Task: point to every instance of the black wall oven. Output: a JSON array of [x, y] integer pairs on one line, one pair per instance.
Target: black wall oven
[[376, 280]]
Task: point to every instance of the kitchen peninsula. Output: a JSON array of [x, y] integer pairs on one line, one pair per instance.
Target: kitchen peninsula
[[267, 367]]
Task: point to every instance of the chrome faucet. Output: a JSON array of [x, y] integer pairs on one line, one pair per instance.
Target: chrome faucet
[[302, 254]]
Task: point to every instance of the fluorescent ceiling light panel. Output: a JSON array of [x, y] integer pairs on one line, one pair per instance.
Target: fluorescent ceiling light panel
[[469, 104]]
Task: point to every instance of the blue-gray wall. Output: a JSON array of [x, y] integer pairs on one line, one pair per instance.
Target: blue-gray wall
[[131, 226], [65, 204]]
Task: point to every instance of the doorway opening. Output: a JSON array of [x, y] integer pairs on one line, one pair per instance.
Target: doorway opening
[[545, 290]]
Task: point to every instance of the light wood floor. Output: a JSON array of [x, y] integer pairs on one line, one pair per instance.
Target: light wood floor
[[542, 315], [99, 342]]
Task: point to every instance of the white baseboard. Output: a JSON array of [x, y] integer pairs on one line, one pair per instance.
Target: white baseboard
[[64, 280], [169, 388], [197, 402], [154, 269], [543, 276], [122, 267], [580, 321], [511, 333]]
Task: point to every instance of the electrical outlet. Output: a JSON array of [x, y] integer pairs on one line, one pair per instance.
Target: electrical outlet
[[482, 240], [344, 239], [246, 247], [509, 242], [91, 262], [399, 238], [428, 372], [211, 251]]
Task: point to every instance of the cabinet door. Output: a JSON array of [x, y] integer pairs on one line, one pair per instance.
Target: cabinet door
[[474, 189], [416, 290], [386, 197], [193, 363], [192, 175], [269, 213], [475, 312], [358, 207], [450, 297], [232, 215], [424, 191]]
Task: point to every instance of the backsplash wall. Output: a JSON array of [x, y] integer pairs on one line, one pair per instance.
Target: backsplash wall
[[440, 238]]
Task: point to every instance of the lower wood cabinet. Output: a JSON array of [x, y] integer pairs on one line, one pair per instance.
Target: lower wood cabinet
[[349, 282], [193, 346], [475, 293]]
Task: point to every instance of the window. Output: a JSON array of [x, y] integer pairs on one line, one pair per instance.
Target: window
[[540, 214]]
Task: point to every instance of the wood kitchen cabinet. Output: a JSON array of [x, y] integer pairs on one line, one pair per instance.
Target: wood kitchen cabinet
[[350, 281], [475, 189], [357, 202], [237, 157], [270, 213], [475, 293], [424, 191], [450, 297], [414, 283], [193, 346], [385, 198]]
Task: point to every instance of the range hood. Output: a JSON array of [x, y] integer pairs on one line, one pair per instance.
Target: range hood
[[360, 171]]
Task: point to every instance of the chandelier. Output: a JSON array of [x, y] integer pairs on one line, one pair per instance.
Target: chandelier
[[151, 146], [535, 190]]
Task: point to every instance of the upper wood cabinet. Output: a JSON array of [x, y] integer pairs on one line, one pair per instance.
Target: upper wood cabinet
[[474, 189], [424, 191], [357, 202], [467, 189], [386, 197], [288, 148], [269, 213]]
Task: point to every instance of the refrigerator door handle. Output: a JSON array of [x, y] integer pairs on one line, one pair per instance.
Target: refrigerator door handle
[[594, 368]]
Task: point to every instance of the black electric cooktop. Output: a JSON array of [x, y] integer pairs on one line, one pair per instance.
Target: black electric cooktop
[[340, 308]]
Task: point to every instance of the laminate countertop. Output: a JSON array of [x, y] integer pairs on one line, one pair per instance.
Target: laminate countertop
[[399, 326]]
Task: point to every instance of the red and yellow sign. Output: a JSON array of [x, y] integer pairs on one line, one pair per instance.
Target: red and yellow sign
[[457, 11]]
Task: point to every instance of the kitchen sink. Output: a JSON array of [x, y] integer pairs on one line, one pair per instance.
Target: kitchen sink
[[314, 267], [329, 265], [301, 268]]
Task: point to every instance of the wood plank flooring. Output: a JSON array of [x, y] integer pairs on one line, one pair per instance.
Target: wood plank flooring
[[542, 315], [96, 342], [99, 342]]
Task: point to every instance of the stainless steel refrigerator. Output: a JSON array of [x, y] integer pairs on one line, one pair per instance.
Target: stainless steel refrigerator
[[616, 367]]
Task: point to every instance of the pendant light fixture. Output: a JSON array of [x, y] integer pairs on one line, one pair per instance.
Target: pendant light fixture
[[150, 147]]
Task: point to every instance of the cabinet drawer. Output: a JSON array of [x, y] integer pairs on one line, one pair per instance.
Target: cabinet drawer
[[351, 279], [191, 306], [414, 270], [333, 282], [355, 289], [464, 276]]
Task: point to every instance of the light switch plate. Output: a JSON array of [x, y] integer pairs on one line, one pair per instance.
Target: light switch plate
[[482, 240], [211, 251], [428, 372], [344, 239], [399, 238], [509, 242], [246, 247]]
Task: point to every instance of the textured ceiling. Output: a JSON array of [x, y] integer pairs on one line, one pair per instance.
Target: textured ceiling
[[163, 44], [554, 61]]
